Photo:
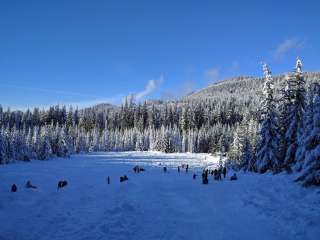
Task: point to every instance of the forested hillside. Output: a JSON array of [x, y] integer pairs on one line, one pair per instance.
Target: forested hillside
[[225, 117]]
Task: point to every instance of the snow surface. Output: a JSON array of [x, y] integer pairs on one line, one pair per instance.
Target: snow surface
[[152, 204]]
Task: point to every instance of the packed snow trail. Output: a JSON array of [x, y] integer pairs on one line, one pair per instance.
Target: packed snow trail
[[152, 204]]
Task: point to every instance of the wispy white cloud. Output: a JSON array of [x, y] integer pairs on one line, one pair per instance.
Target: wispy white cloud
[[212, 75], [90, 100], [286, 46], [151, 87]]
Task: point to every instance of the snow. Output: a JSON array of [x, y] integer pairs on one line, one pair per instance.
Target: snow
[[152, 204]]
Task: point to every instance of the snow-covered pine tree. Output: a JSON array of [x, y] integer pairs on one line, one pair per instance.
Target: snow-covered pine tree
[[253, 128], [140, 143], [234, 153], [295, 113], [246, 155], [94, 144], [283, 110], [307, 127], [311, 169], [70, 120], [3, 156], [44, 148], [63, 146], [163, 142], [29, 145], [268, 141]]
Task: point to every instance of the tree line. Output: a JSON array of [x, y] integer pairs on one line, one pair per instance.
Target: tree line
[[280, 134], [288, 137]]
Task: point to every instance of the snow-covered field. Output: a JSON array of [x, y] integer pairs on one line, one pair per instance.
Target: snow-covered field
[[152, 204]]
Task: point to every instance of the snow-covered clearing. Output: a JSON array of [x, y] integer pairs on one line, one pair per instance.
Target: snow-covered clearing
[[152, 204]]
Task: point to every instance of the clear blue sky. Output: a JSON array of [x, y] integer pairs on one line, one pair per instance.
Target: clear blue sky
[[83, 52]]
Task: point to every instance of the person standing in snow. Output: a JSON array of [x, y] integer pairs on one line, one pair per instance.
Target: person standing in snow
[[14, 188], [224, 172], [108, 179], [178, 168], [219, 174], [205, 177], [187, 168], [215, 174], [165, 169]]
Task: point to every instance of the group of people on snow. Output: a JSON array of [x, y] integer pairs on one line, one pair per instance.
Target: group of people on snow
[[138, 169], [184, 166], [14, 187], [216, 173]]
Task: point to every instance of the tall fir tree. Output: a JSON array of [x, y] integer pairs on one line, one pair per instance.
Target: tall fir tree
[[267, 147], [310, 174], [295, 113]]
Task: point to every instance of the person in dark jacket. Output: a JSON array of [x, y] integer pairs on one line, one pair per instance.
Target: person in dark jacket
[[62, 184], [108, 179], [205, 180], [216, 174], [234, 177], [224, 171], [165, 169], [124, 178], [14, 188], [178, 168], [219, 174], [29, 185], [194, 176], [203, 174]]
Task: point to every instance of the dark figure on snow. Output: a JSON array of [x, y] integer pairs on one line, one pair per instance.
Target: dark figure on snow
[[224, 171], [216, 174], [203, 175], [234, 177], [205, 178], [62, 184], [165, 169], [141, 169], [108, 179], [187, 168], [135, 169], [29, 185], [124, 178], [194, 176], [219, 174], [212, 172], [205, 181], [14, 188], [178, 169]]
